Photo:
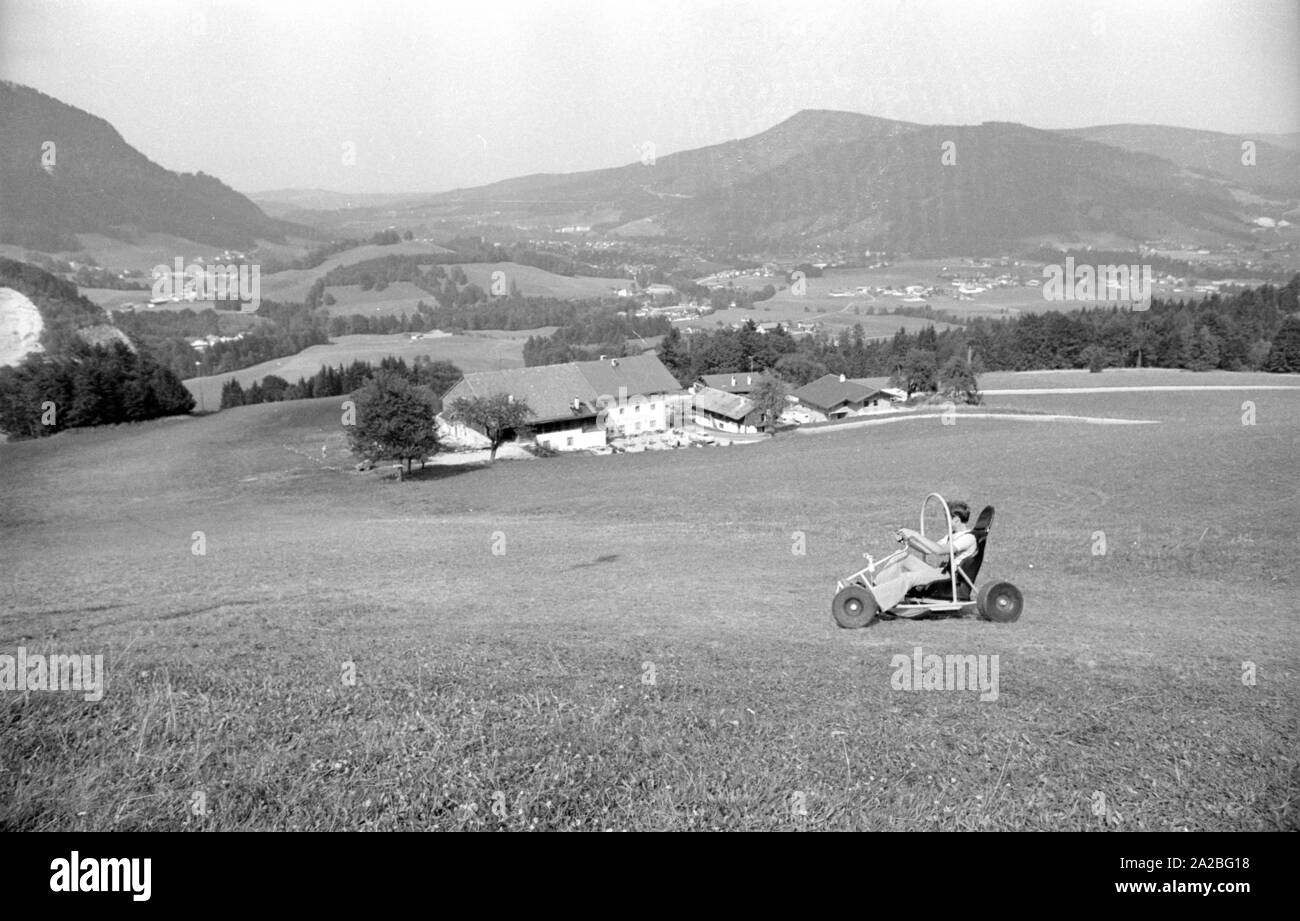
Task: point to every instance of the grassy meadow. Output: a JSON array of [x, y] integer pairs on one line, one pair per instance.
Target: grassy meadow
[[469, 352], [637, 642]]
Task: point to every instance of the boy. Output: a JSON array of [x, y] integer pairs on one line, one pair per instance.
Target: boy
[[895, 581]]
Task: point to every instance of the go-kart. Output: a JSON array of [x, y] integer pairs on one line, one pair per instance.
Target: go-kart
[[855, 601]]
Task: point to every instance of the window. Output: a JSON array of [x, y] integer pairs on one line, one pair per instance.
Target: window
[[569, 441], [638, 407], [621, 410]]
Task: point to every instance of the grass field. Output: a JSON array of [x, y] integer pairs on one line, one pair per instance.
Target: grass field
[[635, 642], [835, 311], [293, 284], [471, 352], [840, 317], [535, 282]]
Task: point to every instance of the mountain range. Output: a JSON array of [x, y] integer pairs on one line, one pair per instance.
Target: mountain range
[[819, 176]]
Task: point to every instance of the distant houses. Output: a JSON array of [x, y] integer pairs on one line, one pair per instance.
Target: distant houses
[[832, 396], [576, 405]]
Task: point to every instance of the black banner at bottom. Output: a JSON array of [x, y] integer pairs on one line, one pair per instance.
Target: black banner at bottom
[[333, 871]]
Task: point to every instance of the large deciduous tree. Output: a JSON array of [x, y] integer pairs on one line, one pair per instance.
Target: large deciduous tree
[[394, 419], [918, 372], [769, 398], [498, 417], [957, 381]]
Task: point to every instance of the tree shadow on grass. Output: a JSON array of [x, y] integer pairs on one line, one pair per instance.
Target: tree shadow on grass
[[434, 472]]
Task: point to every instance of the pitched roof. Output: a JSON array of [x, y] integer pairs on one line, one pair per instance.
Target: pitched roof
[[640, 374], [549, 390], [828, 391], [745, 381], [730, 405]]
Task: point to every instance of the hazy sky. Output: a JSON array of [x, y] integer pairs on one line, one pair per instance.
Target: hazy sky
[[434, 95]]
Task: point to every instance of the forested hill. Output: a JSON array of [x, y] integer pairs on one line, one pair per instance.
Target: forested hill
[[75, 383], [64, 171]]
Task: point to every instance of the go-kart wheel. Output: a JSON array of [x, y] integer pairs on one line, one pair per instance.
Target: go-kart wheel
[[1000, 602], [854, 607]]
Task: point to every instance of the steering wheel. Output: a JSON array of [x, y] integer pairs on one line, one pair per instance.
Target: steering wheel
[[920, 543]]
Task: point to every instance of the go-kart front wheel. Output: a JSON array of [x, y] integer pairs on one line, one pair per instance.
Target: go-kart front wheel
[[854, 607], [1000, 602]]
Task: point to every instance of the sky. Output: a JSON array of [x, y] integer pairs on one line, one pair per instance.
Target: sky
[[424, 96]]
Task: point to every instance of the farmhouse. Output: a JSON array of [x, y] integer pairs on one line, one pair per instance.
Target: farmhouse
[[576, 405], [834, 397], [741, 382], [728, 412], [632, 391]]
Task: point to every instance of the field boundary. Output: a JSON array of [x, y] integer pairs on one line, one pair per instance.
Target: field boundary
[[1161, 387], [1032, 417]]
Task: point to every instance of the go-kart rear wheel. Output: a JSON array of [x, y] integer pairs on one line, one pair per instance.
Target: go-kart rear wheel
[[1000, 602], [854, 607]]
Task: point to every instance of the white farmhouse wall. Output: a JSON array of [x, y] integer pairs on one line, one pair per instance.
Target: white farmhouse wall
[[581, 441], [639, 414], [724, 425]]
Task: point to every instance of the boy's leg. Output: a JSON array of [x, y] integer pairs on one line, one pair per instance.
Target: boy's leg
[[891, 591]]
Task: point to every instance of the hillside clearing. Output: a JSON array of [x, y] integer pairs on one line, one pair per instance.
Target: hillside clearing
[[635, 641]]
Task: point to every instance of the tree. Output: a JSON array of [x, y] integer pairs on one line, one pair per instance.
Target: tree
[[799, 369], [674, 354], [1097, 358], [918, 372], [498, 417], [769, 398], [394, 418], [957, 381], [1284, 356]]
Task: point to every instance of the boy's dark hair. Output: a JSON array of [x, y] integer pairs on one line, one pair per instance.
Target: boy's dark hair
[[961, 510]]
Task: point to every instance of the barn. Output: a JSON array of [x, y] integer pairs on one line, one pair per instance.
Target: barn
[[727, 412]]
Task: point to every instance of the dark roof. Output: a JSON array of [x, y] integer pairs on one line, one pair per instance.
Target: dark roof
[[744, 381], [640, 374], [730, 405], [550, 390], [828, 392]]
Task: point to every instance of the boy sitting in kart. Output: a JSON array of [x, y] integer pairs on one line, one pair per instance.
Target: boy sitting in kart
[[892, 583]]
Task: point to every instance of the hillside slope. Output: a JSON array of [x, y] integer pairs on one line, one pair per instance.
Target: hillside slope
[[1275, 170], [64, 171]]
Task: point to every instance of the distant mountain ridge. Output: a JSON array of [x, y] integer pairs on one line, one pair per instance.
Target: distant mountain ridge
[[64, 171], [845, 177], [1249, 161], [820, 176]]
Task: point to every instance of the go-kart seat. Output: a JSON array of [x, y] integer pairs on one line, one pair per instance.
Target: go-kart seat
[[970, 567]]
